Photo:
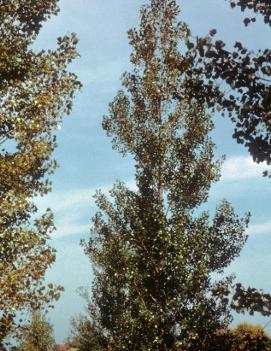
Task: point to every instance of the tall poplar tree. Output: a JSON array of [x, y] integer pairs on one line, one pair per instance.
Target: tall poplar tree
[[36, 88], [156, 259]]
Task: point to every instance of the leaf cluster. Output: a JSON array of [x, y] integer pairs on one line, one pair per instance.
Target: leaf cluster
[[262, 7]]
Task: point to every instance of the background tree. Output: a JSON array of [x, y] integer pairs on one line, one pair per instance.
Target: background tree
[[37, 335], [84, 335], [35, 90], [153, 257]]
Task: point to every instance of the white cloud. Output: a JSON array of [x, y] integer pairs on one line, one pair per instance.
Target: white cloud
[[68, 201], [71, 210], [241, 167], [71, 229], [72, 199], [259, 228]]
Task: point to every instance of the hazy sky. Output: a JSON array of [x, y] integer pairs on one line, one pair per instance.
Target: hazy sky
[[87, 161]]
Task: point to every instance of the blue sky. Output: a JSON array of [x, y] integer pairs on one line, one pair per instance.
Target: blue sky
[[87, 161]]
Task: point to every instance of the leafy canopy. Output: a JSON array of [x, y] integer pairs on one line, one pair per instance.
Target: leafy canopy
[[36, 88]]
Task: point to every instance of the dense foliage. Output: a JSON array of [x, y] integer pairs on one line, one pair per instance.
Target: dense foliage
[[154, 255], [36, 89]]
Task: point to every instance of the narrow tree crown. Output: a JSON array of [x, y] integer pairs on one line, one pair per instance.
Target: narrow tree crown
[[154, 258]]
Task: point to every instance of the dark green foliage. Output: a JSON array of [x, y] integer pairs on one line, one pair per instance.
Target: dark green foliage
[[262, 7], [251, 299]]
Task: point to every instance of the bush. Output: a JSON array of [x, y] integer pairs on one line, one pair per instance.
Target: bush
[[249, 337], [245, 337]]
